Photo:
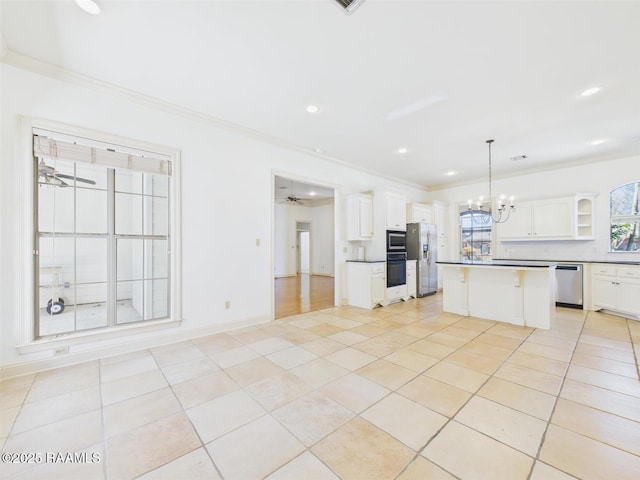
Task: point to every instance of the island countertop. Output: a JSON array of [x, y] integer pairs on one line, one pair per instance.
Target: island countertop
[[504, 263]]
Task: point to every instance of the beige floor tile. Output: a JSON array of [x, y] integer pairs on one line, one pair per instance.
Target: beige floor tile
[[270, 345], [560, 354], [234, 356], [14, 390], [129, 387], [325, 329], [605, 342], [350, 358], [53, 409], [486, 349], [312, 417], [610, 381], [253, 371], [181, 352], [183, 371], [440, 397], [319, 372], [344, 323], [248, 335], [533, 402], [414, 330], [221, 415], [355, 392], [411, 359], [292, 357], [471, 455], [278, 390], [586, 458], [537, 362], [348, 337], [193, 465], [135, 412], [126, 368], [542, 471], [7, 417], [386, 323], [360, 450], [322, 346], [305, 466], [387, 374], [68, 435], [531, 378], [199, 390], [620, 404], [510, 331], [458, 376], [138, 451], [218, 343], [64, 380], [368, 330], [606, 352], [304, 322], [598, 425], [385, 344], [545, 338], [124, 356], [406, 420], [516, 429], [449, 340], [432, 349], [423, 469], [486, 365], [605, 365], [266, 446], [499, 341]]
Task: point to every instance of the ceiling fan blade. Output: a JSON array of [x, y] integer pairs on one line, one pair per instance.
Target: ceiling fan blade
[[78, 179]]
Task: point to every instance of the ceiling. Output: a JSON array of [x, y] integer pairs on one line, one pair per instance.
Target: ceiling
[[437, 78]]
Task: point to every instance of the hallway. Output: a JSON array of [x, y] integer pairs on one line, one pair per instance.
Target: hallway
[[302, 294]]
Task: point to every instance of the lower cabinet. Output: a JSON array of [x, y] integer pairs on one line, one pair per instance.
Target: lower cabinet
[[366, 284], [616, 288], [412, 285]]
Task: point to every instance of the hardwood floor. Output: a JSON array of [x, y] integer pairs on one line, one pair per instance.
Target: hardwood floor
[[303, 293]]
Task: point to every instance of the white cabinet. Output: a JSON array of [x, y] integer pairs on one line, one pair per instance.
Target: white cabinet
[[419, 213], [359, 216], [366, 284], [550, 219], [412, 284], [396, 211], [585, 216], [441, 218], [616, 288]]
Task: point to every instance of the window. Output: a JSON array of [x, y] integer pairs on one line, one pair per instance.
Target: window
[[625, 218], [102, 236], [475, 235]]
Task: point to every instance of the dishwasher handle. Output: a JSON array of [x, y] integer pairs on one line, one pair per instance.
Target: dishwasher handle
[[574, 268]]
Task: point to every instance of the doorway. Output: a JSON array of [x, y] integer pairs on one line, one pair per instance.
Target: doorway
[[303, 230]]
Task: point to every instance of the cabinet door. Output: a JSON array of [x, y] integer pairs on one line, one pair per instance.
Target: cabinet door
[[411, 284], [440, 219], [553, 219], [604, 292], [629, 296], [396, 206], [359, 217], [366, 217], [418, 212], [518, 227], [378, 288]]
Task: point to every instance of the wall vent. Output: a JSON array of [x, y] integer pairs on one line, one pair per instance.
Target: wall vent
[[349, 5]]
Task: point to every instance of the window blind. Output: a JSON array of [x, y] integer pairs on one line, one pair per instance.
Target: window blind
[[49, 148]]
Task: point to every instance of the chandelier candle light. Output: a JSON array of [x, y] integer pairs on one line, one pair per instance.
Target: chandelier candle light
[[501, 214]]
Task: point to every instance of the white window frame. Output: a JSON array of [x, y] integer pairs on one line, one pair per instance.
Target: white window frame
[[26, 281]]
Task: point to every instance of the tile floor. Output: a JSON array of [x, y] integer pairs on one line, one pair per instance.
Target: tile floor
[[403, 392]]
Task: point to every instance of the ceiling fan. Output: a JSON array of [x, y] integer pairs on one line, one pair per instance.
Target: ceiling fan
[[50, 176], [291, 198]]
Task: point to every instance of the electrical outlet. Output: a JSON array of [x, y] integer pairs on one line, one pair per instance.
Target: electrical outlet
[[227, 305], [257, 242]]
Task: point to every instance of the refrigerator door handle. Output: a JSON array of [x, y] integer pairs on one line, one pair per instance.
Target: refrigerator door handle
[[428, 257]]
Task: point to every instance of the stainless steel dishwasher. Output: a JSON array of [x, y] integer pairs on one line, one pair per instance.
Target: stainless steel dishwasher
[[569, 282]]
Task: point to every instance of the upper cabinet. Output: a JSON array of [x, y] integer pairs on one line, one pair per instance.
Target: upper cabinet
[[419, 213], [396, 211], [440, 218], [567, 218], [359, 216]]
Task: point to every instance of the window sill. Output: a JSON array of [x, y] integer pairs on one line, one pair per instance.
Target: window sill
[[64, 341]]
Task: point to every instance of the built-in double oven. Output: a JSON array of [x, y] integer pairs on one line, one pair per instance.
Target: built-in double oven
[[396, 258]]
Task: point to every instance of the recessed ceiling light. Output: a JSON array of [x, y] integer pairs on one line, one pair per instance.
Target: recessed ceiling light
[[402, 150], [590, 91], [312, 109], [451, 173], [312, 193], [89, 6], [598, 142]]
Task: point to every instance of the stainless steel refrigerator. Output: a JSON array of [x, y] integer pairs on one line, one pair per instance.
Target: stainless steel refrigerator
[[422, 246]]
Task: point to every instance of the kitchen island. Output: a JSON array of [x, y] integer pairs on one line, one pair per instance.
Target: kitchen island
[[516, 292]]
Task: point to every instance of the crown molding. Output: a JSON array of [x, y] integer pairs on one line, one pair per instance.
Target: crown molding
[[56, 72]]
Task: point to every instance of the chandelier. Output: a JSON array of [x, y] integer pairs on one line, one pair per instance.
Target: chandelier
[[501, 212]]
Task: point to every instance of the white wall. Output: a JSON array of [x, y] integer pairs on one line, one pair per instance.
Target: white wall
[[599, 178], [220, 259]]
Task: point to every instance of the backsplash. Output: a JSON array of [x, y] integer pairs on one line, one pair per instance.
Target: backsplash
[[577, 250]]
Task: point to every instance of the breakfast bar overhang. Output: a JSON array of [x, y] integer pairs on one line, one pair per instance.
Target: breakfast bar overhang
[[520, 293]]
